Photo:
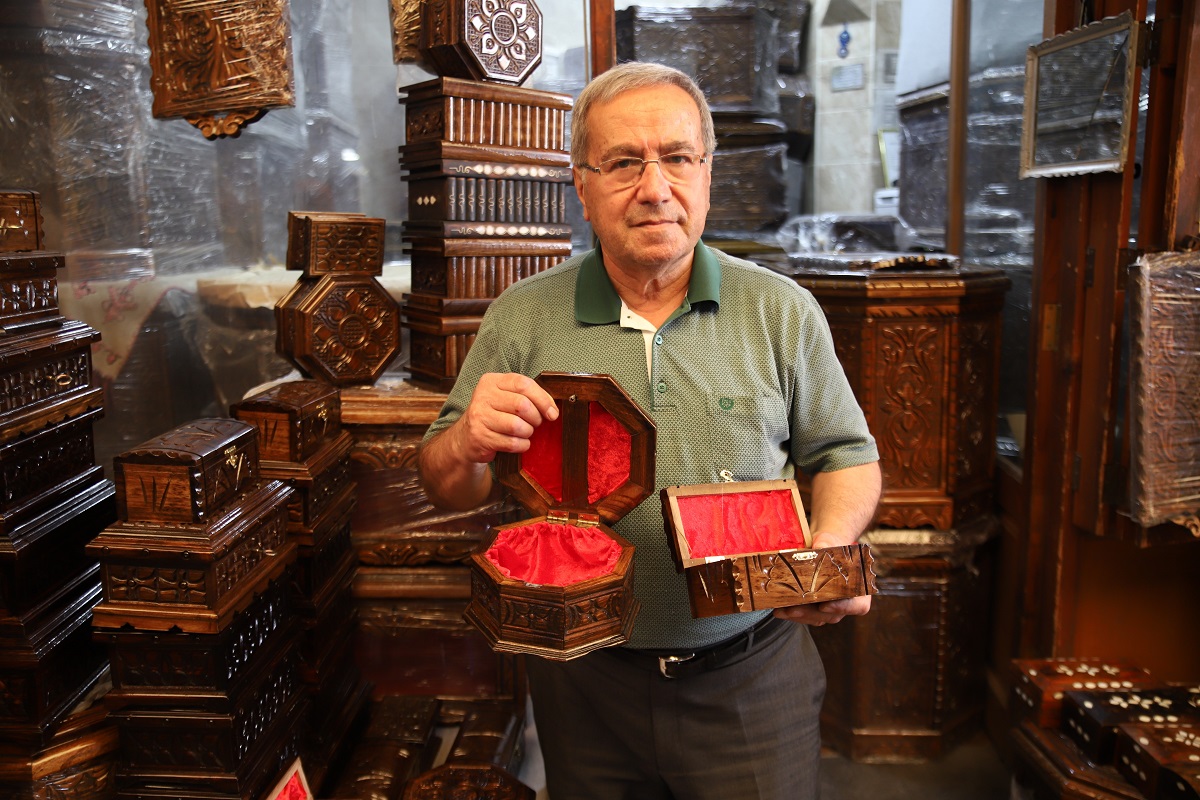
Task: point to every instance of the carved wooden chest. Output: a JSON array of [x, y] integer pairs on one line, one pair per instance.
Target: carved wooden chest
[[1141, 753], [189, 668], [921, 348], [1090, 719], [324, 549], [329, 243], [48, 661], [188, 474], [77, 762], [319, 482], [194, 577], [561, 585], [43, 469], [39, 556], [20, 221], [294, 419], [746, 545], [46, 378], [30, 290], [1038, 684], [482, 41]]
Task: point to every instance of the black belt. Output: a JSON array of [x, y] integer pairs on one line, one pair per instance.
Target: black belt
[[675, 664]]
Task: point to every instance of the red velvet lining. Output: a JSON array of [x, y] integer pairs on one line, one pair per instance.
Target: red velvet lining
[[552, 554], [749, 522], [609, 446]]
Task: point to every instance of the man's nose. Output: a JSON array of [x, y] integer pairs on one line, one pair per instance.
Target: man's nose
[[652, 184]]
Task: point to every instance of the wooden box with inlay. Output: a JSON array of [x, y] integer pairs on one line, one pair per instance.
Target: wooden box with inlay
[[1090, 719], [745, 546], [1039, 683], [561, 584], [1141, 753], [295, 419]]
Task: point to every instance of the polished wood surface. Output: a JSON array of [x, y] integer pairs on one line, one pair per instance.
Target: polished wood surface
[[328, 243], [1038, 684], [1142, 752], [29, 284], [21, 221], [294, 419]]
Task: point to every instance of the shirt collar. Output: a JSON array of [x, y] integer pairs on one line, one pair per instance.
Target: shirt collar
[[597, 302]]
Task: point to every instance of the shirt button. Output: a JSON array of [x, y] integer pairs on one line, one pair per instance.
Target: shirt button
[[658, 339], [662, 388]]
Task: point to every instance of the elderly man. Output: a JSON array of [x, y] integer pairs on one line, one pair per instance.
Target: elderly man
[[735, 365]]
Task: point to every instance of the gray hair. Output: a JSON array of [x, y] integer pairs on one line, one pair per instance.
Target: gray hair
[[626, 77]]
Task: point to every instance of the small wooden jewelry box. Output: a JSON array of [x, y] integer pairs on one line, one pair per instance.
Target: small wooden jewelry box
[[1090, 719], [561, 585], [1142, 752], [294, 418], [746, 545]]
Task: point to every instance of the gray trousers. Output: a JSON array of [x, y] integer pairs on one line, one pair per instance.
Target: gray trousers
[[615, 729]]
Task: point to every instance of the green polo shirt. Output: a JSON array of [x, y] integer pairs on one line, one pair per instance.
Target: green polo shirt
[[743, 377]]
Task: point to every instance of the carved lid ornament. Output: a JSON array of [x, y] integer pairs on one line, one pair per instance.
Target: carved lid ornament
[[219, 65], [488, 40]]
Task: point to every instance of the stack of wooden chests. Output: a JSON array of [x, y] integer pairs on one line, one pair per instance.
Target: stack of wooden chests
[[301, 442], [53, 500], [488, 175], [1104, 729], [196, 614]]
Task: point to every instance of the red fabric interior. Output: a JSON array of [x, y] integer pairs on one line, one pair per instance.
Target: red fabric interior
[[608, 455], [749, 522], [552, 554]]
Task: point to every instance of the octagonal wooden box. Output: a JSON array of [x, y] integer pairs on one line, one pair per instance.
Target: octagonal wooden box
[[560, 585], [745, 546]]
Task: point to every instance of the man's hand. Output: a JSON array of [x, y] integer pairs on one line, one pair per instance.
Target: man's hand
[[830, 611], [504, 410], [501, 417]]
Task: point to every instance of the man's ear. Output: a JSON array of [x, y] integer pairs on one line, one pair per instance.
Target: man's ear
[[579, 179]]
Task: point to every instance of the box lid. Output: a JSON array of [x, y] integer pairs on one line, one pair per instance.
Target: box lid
[[715, 521], [597, 458]]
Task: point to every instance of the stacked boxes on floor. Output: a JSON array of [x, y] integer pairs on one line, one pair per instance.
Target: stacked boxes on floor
[[196, 615], [488, 176], [301, 442], [53, 500]]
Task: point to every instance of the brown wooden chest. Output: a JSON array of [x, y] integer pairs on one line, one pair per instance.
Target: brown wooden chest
[[294, 419], [29, 295], [188, 668], [194, 577], [1038, 684], [561, 585], [1142, 752], [1090, 719], [320, 482], [20, 221], [745, 546], [329, 243], [48, 661], [43, 469], [188, 474], [38, 557], [323, 552], [463, 269], [521, 122], [46, 378]]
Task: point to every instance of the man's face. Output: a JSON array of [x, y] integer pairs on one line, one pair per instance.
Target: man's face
[[654, 224]]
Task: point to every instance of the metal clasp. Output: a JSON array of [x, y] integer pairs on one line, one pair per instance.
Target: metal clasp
[[726, 476], [666, 663]]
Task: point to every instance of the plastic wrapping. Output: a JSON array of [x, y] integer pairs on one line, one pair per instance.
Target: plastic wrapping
[[844, 233], [924, 145], [749, 188]]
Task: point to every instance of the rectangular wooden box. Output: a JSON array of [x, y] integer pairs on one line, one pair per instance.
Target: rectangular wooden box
[[188, 474], [1141, 752], [294, 419], [491, 195], [1090, 719], [327, 243], [20, 221], [39, 557], [195, 577], [29, 290], [471, 112], [584, 600], [320, 563], [479, 268], [46, 378], [745, 546], [48, 662], [157, 667], [40, 470], [318, 482], [1038, 684]]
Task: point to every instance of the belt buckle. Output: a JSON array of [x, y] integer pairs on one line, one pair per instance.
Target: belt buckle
[[667, 663]]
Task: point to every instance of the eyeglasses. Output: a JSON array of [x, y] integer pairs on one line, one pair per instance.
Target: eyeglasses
[[627, 170]]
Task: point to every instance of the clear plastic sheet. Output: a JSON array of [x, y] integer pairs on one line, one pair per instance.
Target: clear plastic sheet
[[924, 144], [845, 233]]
